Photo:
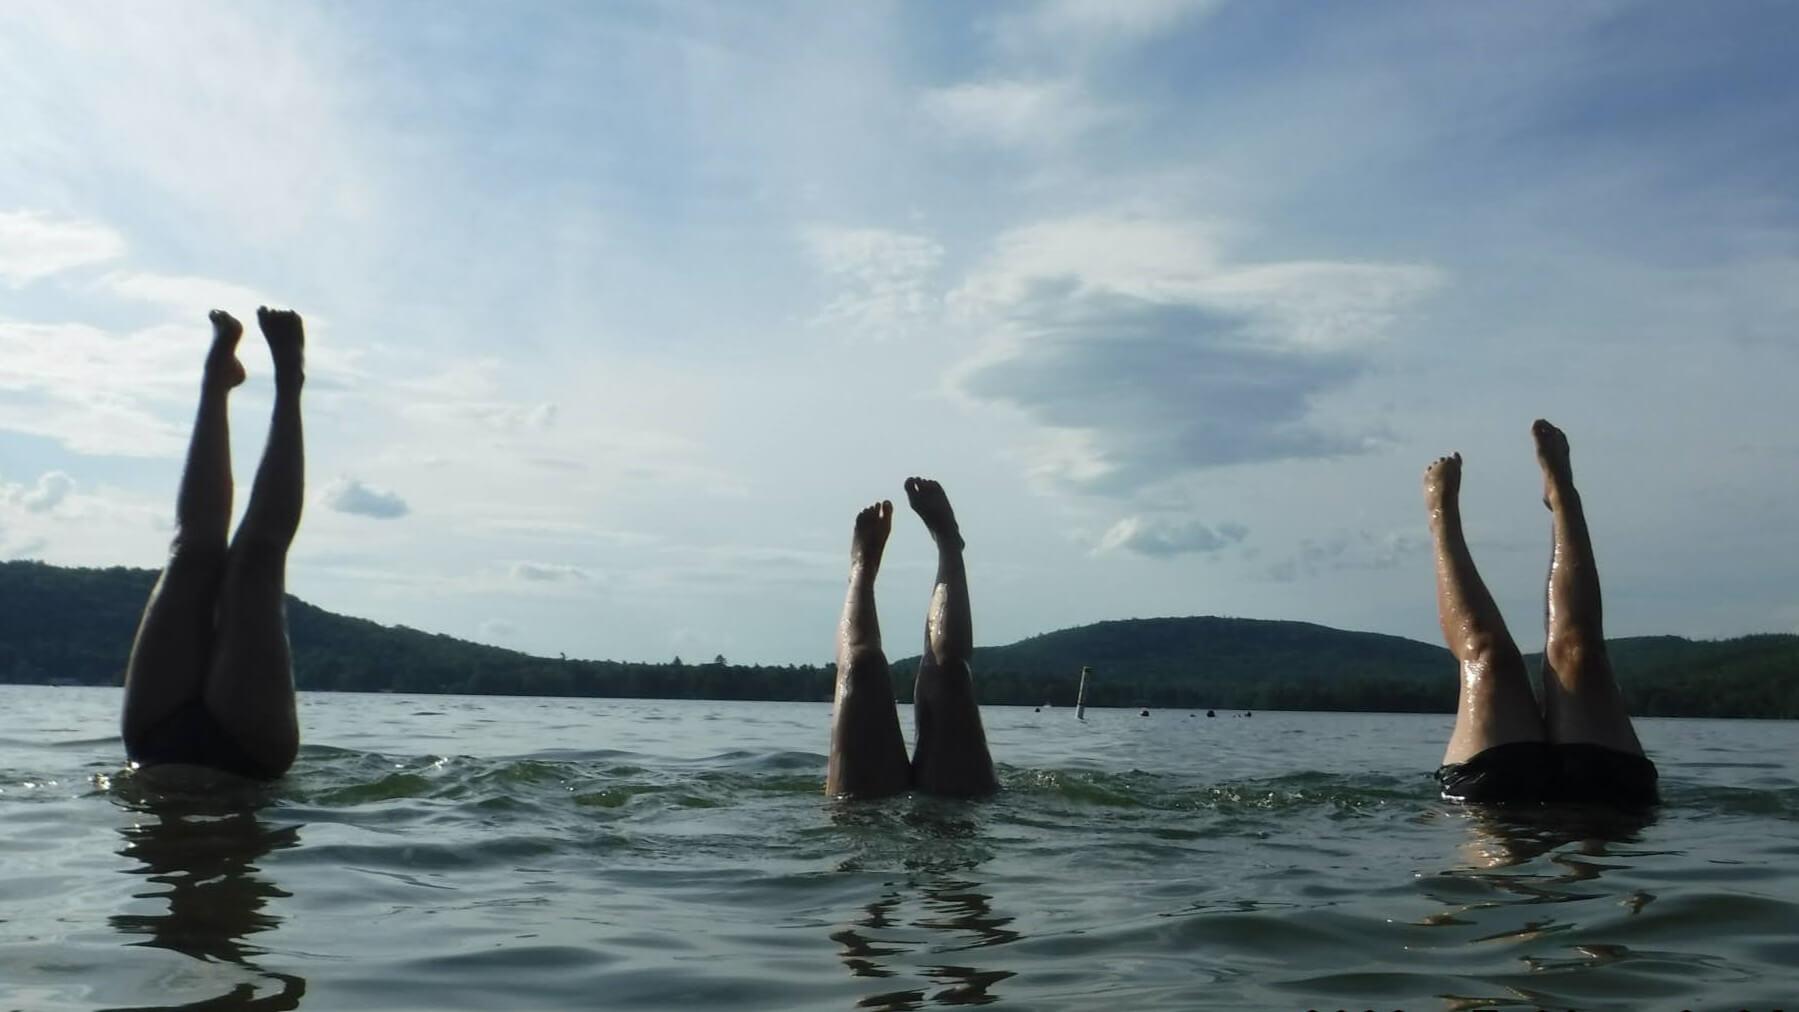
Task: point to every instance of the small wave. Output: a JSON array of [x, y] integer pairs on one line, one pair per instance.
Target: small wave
[[1159, 792]]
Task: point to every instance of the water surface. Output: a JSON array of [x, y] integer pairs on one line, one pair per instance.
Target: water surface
[[452, 852]]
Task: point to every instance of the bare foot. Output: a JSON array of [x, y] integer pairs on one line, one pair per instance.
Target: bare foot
[[1443, 487], [872, 527], [222, 366], [1552, 457], [932, 506], [287, 342]]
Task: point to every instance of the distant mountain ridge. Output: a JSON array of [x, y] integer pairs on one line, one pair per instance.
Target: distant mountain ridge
[[61, 624]]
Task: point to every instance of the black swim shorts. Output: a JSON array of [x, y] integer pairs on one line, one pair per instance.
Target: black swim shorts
[[1536, 771], [1594, 774], [193, 736], [1515, 771]]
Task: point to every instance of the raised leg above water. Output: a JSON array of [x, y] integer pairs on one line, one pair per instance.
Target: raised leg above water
[[1495, 705], [172, 650], [251, 688], [951, 755], [868, 756], [1581, 701]]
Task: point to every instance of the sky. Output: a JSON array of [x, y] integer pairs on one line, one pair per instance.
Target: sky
[[617, 313]]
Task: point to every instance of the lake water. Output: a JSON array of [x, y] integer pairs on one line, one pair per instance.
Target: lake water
[[452, 852]]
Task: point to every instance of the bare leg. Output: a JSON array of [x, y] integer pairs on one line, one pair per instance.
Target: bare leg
[[174, 640], [868, 756], [951, 753], [1581, 701], [251, 688], [1495, 706]]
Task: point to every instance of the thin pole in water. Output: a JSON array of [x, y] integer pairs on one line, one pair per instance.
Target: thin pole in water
[[1080, 698]]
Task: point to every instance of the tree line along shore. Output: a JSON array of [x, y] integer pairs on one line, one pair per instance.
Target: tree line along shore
[[62, 625]]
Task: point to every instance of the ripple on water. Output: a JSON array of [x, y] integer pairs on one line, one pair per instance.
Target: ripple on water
[[668, 873]]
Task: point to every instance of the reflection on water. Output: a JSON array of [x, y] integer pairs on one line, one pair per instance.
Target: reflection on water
[[1572, 846], [1503, 836], [957, 918], [959, 908], [199, 855], [952, 914]]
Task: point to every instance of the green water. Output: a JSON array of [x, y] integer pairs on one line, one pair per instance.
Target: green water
[[496, 853]]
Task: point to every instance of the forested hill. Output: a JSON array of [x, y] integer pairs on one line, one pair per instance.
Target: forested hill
[[75, 626], [1233, 662]]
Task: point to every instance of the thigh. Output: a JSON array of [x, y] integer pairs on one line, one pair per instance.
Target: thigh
[[1584, 705], [250, 686], [175, 639], [250, 638]]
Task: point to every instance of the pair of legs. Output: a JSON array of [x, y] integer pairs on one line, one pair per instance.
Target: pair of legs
[[868, 756], [1581, 704], [210, 680]]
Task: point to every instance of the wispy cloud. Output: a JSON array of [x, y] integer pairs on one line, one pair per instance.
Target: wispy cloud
[[548, 572], [218, 108], [1166, 537], [93, 391], [187, 297], [885, 276], [1089, 22], [36, 245], [1013, 112], [1342, 550]]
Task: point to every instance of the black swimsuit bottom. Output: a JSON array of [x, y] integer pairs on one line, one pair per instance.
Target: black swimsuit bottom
[[1526, 771], [192, 735]]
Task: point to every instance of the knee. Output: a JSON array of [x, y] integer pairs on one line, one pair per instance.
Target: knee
[[863, 662], [1569, 654], [1490, 650], [195, 551], [947, 681], [947, 652], [253, 550]]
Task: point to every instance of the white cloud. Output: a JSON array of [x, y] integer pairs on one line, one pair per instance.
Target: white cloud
[[101, 392], [217, 108], [886, 277], [96, 392], [62, 522], [348, 495], [51, 489], [35, 245], [187, 297], [1165, 537], [466, 390], [1015, 113], [23, 548], [1144, 255]]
